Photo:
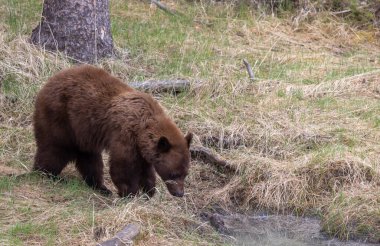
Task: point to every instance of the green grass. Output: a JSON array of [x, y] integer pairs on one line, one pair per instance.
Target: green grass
[[21, 231], [376, 122], [10, 86], [34, 226], [16, 92], [327, 152], [347, 71], [360, 227], [72, 187], [20, 16], [326, 103], [6, 184], [66, 187], [160, 43], [308, 71]]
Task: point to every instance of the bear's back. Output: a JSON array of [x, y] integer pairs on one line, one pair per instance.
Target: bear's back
[[84, 81], [75, 102]]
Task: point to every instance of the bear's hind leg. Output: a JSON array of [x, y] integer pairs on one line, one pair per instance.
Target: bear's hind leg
[[52, 159], [90, 166]]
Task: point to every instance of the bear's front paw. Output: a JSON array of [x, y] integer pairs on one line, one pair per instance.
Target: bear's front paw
[[127, 191], [150, 192], [104, 190]]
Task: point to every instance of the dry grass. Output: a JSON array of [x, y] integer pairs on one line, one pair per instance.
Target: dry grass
[[304, 137], [354, 213]]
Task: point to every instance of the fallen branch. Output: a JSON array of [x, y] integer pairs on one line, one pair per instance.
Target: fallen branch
[[157, 86], [230, 142], [164, 8], [249, 70], [204, 154], [124, 237]]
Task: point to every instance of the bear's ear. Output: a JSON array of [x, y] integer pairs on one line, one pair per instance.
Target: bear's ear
[[189, 138], [163, 145]]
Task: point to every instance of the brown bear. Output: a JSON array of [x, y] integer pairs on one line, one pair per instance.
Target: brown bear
[[83, 110]]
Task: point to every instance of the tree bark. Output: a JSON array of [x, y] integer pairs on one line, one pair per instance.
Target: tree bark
[[79, 28]]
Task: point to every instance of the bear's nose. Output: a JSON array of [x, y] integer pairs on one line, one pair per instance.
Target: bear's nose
[[178, 193]]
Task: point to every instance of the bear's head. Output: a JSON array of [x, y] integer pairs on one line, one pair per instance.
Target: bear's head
[[167, 149], [173, 166]]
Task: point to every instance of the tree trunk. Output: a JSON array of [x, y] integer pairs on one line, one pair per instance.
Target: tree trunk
[[79, 28]]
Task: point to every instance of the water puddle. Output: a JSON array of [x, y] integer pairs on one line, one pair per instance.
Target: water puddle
[[274, 230]]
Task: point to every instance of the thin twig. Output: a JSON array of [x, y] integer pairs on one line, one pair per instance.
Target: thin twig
[[341, 12]]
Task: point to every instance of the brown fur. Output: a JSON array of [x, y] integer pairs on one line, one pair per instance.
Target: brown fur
[[84, 110]]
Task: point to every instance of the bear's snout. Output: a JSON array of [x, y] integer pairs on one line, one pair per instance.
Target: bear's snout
[[178, 194], [175, 187]]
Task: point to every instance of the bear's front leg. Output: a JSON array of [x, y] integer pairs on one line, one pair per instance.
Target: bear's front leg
[[128, 188], [126, 191], [125, 166], [126, 176], [148, 179]]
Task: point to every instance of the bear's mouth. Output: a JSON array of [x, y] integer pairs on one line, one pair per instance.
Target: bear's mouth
[[175, 188], [171, 182], [177, 194]]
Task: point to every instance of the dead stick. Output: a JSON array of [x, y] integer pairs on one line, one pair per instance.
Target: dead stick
[[206, 155], [124, 237], [176, 85], [341, 12], [249, 70], [164, 8]]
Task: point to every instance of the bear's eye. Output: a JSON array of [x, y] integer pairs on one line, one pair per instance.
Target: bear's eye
[[163, 145], [174, 176]]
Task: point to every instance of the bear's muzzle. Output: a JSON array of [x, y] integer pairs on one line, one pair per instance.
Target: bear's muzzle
[[175, 187]]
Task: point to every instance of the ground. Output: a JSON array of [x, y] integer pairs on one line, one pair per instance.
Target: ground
[[304, 136]]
